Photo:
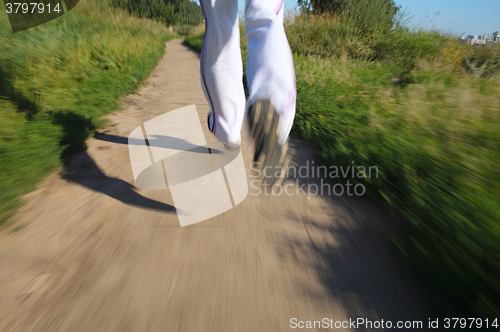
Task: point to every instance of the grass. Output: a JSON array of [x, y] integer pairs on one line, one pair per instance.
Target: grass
[[193, 35], [436, 144], [58, 79], [195, 42], [425, 110], [435, 139], [334, 38]]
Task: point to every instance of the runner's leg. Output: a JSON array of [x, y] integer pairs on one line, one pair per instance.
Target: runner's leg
[[270, 70], [221, 69]]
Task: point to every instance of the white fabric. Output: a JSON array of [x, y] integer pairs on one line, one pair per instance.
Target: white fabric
[[270, 71]]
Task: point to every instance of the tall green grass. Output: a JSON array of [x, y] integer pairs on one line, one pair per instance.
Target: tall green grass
[[193, 35], [436, 144], [334, 38], [408, 102], [58, 79], [435, 138]]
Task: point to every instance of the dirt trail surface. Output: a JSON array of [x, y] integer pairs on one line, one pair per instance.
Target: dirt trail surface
[[91, 252]]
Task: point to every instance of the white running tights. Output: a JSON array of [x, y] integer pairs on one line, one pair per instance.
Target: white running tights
[[270, 70]]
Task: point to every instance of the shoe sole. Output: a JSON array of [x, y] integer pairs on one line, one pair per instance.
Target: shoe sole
[[269, 153]]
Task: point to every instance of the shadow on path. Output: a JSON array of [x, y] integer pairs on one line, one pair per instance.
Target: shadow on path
[[354, 257], [83, 170], [80, 168], [160, 141], [192, 49]]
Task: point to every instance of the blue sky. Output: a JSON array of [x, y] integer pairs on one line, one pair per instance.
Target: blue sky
[[460, 16]]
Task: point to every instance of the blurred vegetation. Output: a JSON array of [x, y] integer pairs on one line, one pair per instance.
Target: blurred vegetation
[[170, 12], [425, 109], [328, 36], [58, 79], [483, 61], [367, 15], [409, 103], [193, 35], [436, 144]]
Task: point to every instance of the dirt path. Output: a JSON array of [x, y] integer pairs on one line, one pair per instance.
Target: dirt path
[[90, 252]]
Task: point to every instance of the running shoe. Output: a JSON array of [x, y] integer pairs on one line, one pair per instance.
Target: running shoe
[[271, 156], [210, 125]]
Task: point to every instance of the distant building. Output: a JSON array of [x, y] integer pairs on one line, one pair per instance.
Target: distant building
[[482, 39], [496, 36], [468, 39]]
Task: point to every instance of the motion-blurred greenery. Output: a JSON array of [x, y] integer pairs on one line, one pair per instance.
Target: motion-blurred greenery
[[406, 103], [436, 144], [193, 35], [170, 12], [58, 79], [425, 109]]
